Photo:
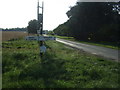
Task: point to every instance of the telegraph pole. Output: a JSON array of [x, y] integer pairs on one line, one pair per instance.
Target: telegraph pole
[[38, 24], [40, 29], [42, 19]]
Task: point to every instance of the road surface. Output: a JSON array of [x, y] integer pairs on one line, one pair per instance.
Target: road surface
[[97, 50]]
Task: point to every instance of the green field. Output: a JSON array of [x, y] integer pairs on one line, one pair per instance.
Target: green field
[[60, 67]]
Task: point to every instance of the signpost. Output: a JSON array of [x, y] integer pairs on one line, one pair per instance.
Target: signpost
[[40, 38], [40, 24]]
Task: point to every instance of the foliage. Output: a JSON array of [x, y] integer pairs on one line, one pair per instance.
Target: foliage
[[50, 32], [14, 29], [32, 26], [61, 67], [90, 21], [63, 30]]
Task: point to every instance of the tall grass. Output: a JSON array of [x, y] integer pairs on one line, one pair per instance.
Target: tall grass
[[7, 35], [60, 67]]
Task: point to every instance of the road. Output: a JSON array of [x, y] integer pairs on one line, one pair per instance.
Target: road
[[97, 50]]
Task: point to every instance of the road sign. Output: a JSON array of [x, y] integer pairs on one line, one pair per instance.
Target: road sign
[[40, 38], [42, 49], [38, 31], [31, 38], [49, 38], [40, 18]]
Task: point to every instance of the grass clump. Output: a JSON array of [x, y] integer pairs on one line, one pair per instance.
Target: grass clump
[[60, 67]]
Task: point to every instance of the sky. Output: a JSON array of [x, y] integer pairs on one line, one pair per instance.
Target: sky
[[17, 13]]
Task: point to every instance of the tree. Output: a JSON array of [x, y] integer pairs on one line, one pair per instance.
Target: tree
[[50, 32], [92, 20], [32, 26], [63, 30]]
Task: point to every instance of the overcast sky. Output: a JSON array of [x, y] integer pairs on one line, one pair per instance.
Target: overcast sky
[[17, 13]]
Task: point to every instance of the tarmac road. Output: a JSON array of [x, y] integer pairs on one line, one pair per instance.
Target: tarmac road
[[97, 50]]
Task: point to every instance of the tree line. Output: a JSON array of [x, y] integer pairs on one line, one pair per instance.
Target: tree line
[[14, 29], [92, 21]]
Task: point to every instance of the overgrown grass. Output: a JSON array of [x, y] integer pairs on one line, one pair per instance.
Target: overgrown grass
[[102, 43], [60, 67], [7, 35]]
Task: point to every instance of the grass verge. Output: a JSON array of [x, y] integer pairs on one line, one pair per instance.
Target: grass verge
[[60, 67], [103, 44]]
